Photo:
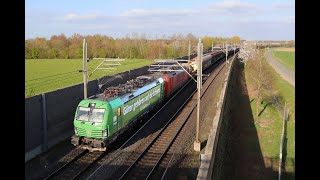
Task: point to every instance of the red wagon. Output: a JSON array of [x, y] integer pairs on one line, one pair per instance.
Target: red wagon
[[173, 81]]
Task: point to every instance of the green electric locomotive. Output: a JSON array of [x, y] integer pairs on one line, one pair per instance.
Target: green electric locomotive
[[99, 120]]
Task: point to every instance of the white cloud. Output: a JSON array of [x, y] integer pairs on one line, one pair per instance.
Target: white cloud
[[157, 12], [284, 6], [157, 24], [233, 7], [96, 27], [77, 17], [223, 18]]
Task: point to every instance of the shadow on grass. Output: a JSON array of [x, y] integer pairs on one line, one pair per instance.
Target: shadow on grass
[[287, 175], [242, 157]]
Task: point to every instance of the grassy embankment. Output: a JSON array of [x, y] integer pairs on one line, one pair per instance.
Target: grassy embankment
[[285, 57], [43, 75], [269, 123]]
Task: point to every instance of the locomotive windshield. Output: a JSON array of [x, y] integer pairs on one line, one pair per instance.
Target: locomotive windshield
[[95, 115], [83, 113]]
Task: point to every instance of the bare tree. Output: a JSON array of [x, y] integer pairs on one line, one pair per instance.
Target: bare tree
[[260, 74], [262, 78]]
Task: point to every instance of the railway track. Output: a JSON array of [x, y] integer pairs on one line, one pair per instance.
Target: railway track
[[153, 153], [111, 167], [119, 152], [84, 160], [168, 161], [144, 165], [74, 168]]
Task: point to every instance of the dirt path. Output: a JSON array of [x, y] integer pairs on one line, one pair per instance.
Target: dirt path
[[281, 69]]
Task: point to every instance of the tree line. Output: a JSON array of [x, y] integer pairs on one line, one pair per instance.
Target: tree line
[[132, 46]]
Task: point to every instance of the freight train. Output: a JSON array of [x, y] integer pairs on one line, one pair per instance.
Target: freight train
[[100, 119], [207, 60]]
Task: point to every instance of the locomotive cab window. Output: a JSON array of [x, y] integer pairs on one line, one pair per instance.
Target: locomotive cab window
[[90, 114], [97, 115], [83, 114]]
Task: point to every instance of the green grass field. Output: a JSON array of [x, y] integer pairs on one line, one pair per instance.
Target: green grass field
[[286, 58], [43, 75], [269, 124]]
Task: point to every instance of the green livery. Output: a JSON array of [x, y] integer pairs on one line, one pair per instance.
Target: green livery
[[97, 121], [88, 128]]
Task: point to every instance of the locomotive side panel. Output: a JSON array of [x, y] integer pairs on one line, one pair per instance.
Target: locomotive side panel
[[142, 103]]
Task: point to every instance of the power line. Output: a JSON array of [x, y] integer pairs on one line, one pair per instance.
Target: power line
[[70, 77], [51, 76], [74, 71], [60, 77], [50, 80]]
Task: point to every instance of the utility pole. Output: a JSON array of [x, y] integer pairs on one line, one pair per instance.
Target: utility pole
[[113, 62], [212, 46], [189, 53], [227, 55], [85, 72], [197, 144], [201, 65], [285, 115]]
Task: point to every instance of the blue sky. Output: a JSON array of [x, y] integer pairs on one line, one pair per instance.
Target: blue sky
[[250, 19]]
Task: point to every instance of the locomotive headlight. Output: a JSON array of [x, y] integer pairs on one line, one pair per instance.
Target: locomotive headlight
[[75, 130], [104, 133]]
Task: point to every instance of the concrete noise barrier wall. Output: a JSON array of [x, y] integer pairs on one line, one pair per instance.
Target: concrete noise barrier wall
[[209, 159]]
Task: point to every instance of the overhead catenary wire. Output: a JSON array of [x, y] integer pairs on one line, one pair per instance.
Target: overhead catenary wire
[[64, 73], [74, 76], [50, 82], [54, 80], [52, 76]]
